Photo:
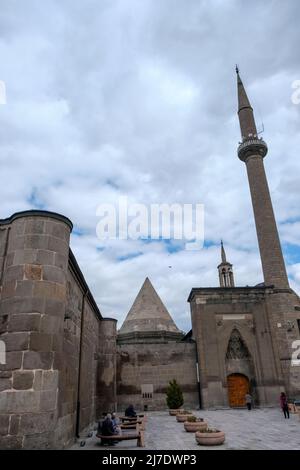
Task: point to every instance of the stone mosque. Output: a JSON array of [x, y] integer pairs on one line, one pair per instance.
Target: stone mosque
[[66, 364]]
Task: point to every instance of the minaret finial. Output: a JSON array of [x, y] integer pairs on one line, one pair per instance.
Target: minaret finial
[[223, 254], [237, 69], [245, 111]]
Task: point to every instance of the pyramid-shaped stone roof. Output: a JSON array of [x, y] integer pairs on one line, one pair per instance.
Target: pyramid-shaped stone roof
[[148, 313]]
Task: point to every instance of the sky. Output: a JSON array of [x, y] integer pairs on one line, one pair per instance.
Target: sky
[[129, 98]]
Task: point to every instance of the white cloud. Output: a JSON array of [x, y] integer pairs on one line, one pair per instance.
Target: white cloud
[[139, 99]]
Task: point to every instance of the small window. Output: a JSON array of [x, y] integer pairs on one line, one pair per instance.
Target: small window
[[147, 391], [298, 323]]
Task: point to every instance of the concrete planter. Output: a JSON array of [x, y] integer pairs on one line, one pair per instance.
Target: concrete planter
[[210, 438], [181, 418], [195, 426], [174, 412]]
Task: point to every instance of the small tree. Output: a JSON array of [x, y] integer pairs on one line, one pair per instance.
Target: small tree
[[174, 395]]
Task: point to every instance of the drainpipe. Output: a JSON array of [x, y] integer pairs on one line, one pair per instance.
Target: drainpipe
[[79, 365], [198, 378]]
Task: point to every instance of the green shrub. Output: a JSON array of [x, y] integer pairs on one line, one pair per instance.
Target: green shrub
[[209, 430], [192, 419], [174, 395]]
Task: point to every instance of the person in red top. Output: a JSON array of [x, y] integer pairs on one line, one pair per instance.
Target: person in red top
[[284, 405]]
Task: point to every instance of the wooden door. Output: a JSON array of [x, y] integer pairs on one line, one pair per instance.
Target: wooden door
[[238, 386]]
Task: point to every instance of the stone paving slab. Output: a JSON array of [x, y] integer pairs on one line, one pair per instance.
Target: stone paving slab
[[257, 429]]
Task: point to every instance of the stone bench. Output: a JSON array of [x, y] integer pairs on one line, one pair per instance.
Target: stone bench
[[134, 424], [139, 436], [131, 418]]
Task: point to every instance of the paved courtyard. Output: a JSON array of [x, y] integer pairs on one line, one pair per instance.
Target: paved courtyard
[[257, 429]]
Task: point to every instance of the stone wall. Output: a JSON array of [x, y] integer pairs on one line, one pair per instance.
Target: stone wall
[[256, 314], [156, 364], [47, 316], [284, 313]]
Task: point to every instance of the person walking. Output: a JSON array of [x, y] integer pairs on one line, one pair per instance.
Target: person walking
[[248, 400], [284, 405]]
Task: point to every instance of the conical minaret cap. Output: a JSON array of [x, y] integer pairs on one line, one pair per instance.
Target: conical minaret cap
[[245, 111], [223, 254], [148, 313]]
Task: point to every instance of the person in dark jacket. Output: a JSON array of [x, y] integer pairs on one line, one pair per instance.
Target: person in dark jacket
[[107, 429], [130, 412], [284, 405]]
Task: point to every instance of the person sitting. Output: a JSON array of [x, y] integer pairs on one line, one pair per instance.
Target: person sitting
[[130, 412], [116, 424], [107, 429]]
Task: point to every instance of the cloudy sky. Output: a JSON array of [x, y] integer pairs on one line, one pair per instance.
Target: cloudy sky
[[137, 98]]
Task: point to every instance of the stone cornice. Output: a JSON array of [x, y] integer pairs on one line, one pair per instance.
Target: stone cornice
[[37, 213]]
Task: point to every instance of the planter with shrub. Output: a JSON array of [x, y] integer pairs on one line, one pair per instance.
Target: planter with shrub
[[210, 437], [193, 424], [182, 417]]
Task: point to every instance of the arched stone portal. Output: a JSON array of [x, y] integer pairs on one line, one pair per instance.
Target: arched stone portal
[[238, 385], [239, 370]]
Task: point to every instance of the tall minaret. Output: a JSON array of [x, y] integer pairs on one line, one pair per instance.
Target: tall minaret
[[252, 150], [225, 270]]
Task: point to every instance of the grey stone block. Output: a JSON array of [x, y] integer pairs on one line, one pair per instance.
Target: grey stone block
[[58, 245], [48, 400], [14, 424], [5, 374], [24, 322], [14, 273], [61, 260], [50, 379], [40, 342], [22, 305], [54, 307], [43, 441], [24, 288], [3, 323], [38, 380], [53, 273], [16, 341], [35, 423], [35, 225], [24, 256], [8, 289], [45, 257], [4, 424], [58, 230], [36, 242], [37, 360], [5, 384], [20, 401], [13, 361], [49, 290], [11, 442], [23, 380], [50, 324]]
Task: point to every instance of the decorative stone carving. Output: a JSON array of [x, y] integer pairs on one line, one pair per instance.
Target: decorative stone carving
[[237, 349]]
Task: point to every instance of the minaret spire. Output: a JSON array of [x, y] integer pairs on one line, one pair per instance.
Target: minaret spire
[[245, 111], [223, 254], [225, 270], [252, 150]]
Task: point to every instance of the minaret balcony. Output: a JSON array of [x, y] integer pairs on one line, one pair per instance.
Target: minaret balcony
[[252, 146]]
